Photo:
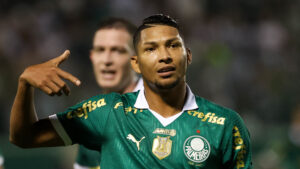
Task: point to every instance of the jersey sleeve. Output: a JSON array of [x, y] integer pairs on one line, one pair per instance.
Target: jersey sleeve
[[87, 158], [237, 148], [84, 123]]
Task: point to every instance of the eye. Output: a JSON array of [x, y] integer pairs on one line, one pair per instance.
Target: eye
[[175, 45], [150, 49], [98, 49], [119, 50]]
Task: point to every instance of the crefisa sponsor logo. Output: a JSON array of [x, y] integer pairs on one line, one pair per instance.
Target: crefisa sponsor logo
[[196, 148]]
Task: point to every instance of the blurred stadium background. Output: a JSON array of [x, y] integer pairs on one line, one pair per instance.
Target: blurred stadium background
[[245, 57]]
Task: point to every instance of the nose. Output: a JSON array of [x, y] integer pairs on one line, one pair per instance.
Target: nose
[[107, 58], [165, 55]]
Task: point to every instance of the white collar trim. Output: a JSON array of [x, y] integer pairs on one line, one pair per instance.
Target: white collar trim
[[190, 104]]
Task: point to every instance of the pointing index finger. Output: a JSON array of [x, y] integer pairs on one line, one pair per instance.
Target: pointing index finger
[[69, 77]]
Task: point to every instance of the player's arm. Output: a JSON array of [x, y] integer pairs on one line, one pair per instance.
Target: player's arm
[[26, 130], [241, 148], [237, 152]]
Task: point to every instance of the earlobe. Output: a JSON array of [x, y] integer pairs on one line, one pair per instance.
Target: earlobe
[[135, 64], [189, 55]]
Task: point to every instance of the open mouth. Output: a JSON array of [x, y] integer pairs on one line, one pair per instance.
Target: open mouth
[[108, 74], [108, 71], [166, 72]]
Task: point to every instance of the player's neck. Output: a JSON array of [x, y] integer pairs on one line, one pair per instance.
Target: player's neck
[[129, 87], [166, 103]]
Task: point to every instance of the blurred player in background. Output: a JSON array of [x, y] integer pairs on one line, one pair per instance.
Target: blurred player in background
[[164, 125], [110, 56]]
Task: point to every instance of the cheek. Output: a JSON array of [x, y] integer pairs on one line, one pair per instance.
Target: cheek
[[95, 59], [123, 64]]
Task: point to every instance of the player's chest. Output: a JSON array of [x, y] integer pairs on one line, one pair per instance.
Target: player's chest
[[184, 142]]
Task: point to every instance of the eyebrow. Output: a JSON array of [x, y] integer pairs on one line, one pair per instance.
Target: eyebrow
[[168, 41]]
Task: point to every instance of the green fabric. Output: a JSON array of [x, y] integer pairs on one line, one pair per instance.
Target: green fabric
[[87, 157], [210, 137]]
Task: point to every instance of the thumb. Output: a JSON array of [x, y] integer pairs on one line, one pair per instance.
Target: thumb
[[58, 60]]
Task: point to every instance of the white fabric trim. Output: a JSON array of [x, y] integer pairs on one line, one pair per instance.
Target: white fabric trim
[[60, 129], [165, 120], [78, 166], [139, 85], [1, 160], [190, 104]]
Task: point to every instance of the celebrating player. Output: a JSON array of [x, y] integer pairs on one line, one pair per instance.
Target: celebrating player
[[163, 125], [110, 56]]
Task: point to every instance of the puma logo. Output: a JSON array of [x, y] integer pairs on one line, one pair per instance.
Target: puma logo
[[131, 137]]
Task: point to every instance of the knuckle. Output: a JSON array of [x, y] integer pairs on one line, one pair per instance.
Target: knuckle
[[43, 83], [60, 83], [40, 85], [57, 90], [48, 75], [53, 69]]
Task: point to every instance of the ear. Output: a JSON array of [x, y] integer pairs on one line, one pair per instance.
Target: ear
[[135, 64], [189, 56]]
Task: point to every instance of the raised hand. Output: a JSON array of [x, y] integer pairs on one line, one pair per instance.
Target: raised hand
[[48, 77]]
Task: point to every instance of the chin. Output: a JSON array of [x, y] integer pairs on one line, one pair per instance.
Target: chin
[[107, 84], [166, 85]]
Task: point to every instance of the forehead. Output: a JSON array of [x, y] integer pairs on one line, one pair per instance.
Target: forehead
[[108, 37], [159, 33]]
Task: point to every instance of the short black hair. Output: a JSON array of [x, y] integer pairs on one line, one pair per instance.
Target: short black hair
[[117, 23], [158, 19]]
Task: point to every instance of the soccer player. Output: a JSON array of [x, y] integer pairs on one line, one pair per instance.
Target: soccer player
[[163, 125], [110, 56]]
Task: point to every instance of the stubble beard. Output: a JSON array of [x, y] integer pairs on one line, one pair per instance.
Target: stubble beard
[[166, 86]]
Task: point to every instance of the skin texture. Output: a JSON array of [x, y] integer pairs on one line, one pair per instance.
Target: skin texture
[[25, 129], [164, 91], [162, 60], [110, 57]]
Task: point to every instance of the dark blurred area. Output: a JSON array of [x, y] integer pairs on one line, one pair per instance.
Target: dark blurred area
[[245, 57]]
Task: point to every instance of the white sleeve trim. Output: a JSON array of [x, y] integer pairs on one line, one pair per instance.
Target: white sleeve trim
[[78, 166], [60, 129], [1, 160]]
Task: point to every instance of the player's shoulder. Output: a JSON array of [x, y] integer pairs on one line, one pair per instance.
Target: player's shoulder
[[130, 98], [216, 109], [96, 101]]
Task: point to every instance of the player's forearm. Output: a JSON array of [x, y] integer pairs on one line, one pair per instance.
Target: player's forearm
[[23, 115]]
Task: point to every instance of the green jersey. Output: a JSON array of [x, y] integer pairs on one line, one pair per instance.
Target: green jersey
[[87, 158], [131, 135], [90, 159]]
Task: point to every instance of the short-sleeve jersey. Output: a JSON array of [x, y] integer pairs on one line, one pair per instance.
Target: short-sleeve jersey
[[208, 136], [90, 159]]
